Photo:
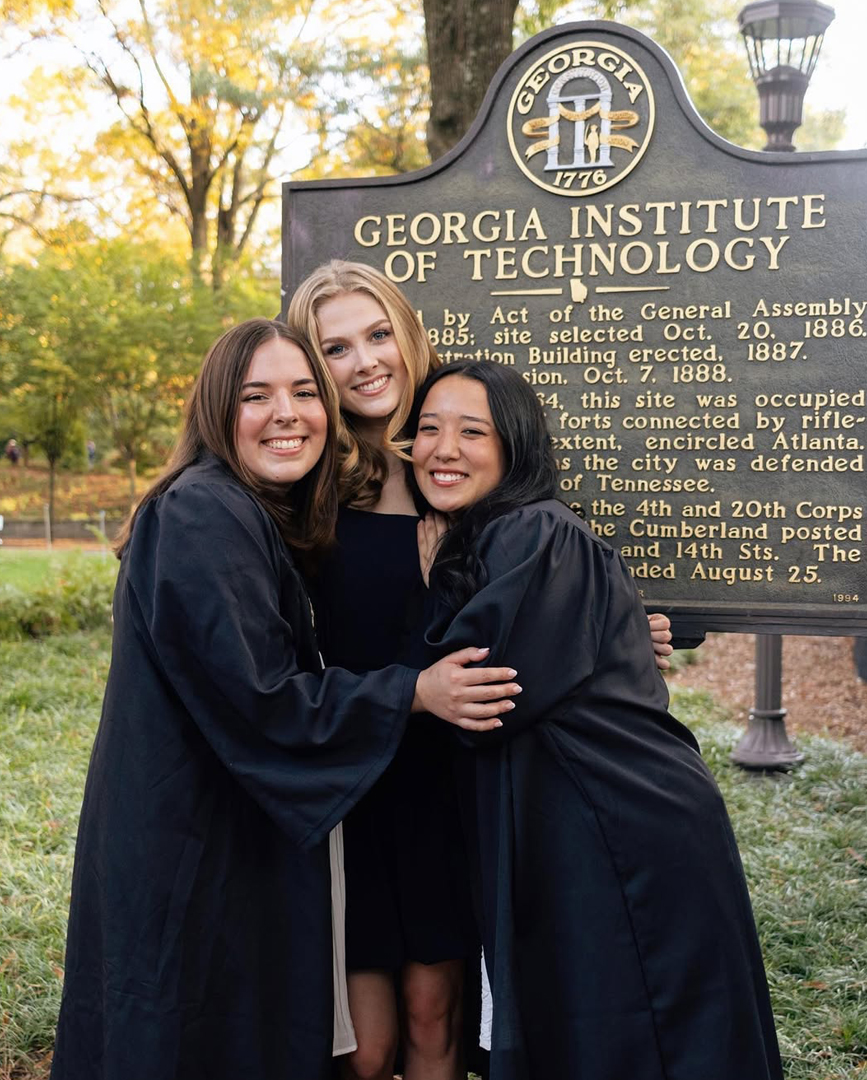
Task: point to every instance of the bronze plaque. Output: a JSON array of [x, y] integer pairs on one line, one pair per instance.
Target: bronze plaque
[[692, 315]]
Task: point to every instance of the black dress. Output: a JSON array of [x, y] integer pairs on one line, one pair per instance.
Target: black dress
[[199, 944], [614, 912], [407, 893]]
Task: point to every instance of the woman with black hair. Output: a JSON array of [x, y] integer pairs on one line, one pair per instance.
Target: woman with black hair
[[618, 936]]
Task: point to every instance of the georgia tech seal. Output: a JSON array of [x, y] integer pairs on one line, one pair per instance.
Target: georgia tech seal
[[581, 118]]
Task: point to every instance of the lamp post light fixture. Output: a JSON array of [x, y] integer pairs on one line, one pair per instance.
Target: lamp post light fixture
[[783, 39]]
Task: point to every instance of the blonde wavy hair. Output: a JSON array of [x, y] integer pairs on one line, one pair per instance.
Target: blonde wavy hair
[[364, 468]]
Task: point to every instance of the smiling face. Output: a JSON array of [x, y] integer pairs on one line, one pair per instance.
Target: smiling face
[[458, 456], [282, 425], [359, 346]]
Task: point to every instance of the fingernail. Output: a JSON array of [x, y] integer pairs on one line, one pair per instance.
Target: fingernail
[[510, 704], [498, 723], [512, 673], [518, 689], [486, 649]]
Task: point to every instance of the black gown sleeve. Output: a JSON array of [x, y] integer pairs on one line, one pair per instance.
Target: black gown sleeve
[[541, 612], [212, 593]]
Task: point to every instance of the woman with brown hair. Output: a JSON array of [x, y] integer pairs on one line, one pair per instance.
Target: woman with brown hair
[[200, 929]]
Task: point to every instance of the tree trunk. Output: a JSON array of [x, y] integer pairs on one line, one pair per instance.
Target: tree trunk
[[52, 471], [467, 40], [201, 179], [130, 467], [198, 237], [227, 212]]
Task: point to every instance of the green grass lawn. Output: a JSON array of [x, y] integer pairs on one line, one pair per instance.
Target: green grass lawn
[[50, 696], [803, 838], [25, 568]]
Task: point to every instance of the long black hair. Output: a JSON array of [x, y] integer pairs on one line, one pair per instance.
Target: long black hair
[[530, 476]]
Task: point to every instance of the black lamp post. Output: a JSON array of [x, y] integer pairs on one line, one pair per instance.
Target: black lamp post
[[783, 39]]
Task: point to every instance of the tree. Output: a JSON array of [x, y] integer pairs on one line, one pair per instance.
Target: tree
[[139, 323], [24, 21], [371, 114], [702, 39], [113, 332], [43, 391], [821, 129], [21, 206], [203, 93], [37, 182], [207, 96], [467, 40], [54, 412]]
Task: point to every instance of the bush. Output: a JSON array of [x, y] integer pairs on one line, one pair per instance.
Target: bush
[[77, 598], [682, 658]]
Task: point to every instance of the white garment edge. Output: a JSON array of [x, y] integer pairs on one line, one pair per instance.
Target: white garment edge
[[344, 1032], [487, 1021]]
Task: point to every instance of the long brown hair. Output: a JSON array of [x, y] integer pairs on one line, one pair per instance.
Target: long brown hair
[[364, 468], [306, 513]]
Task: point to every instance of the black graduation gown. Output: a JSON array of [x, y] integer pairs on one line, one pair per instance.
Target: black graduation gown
[[199, 944], [617, 925]]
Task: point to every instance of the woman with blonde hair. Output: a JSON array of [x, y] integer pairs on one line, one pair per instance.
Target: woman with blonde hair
[[408, 925], [368, 461]]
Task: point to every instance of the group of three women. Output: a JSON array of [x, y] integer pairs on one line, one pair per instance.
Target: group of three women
[[576, 834]]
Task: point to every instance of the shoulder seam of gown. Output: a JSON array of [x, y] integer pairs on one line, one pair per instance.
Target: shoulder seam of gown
[[218, 486]]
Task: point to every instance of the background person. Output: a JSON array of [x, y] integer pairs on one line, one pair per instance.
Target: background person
[[12, 452]]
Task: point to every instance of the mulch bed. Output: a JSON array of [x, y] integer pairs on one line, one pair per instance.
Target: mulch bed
[[821, 689]]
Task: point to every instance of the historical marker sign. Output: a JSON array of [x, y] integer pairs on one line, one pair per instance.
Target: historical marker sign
[[692, 315]]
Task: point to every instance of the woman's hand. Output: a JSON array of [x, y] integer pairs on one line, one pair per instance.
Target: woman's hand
[[660, 635], [471, 698], [431, 529]]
